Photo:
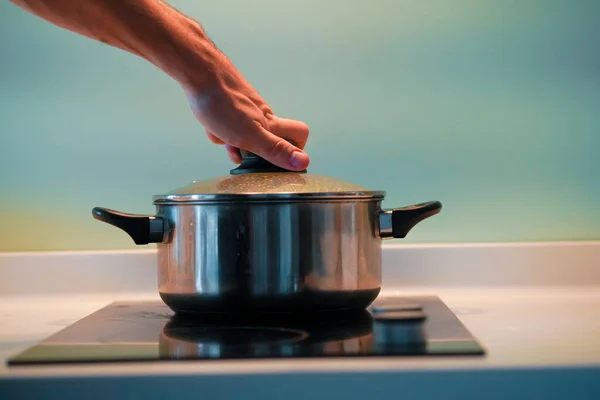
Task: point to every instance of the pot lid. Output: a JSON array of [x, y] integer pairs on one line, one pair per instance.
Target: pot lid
[[257, 179]]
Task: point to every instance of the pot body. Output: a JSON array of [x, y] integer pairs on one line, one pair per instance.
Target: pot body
[[270, 256], [264, 254]]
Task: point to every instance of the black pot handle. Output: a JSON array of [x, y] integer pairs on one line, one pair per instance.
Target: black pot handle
[[396, 223], [143, 229]]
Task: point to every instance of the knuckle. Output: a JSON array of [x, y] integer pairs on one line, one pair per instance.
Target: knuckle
[[257, 124], [260, 125], [305, 129], [267, 111]]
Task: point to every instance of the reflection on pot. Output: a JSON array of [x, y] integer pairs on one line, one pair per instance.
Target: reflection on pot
[[331, 334]]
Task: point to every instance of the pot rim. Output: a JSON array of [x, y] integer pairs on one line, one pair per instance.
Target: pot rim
[[265, 197]]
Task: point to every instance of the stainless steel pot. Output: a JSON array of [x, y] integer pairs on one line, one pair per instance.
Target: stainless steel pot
[[269, 240]]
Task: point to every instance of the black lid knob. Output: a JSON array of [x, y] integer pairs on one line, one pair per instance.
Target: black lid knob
[[252, 163]]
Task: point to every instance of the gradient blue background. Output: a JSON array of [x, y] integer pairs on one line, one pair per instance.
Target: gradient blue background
[[492, 107]]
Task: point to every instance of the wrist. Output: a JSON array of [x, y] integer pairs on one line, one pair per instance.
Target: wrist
[[186, 54], [196, 65]]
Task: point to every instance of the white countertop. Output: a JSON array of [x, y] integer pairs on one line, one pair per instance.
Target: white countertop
[[541, 341]]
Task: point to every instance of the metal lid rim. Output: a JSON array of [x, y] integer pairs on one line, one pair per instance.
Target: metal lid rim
[[184, 198]]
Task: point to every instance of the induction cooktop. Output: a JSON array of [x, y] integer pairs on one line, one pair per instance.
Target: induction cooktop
[[150, 331]]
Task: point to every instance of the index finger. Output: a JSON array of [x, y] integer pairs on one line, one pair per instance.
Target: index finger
[[290, 129]]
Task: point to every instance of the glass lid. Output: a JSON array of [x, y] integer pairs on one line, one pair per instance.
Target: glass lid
[[258, 179]]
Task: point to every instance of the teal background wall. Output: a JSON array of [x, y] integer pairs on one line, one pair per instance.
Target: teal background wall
[[492, 107]]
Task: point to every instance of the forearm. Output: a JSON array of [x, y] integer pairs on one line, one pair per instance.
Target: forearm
[[150, 29]]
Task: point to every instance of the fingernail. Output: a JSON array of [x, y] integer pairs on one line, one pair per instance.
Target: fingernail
[[299, 160]]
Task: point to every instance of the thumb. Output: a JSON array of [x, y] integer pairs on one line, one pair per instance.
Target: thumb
[[279, 151]]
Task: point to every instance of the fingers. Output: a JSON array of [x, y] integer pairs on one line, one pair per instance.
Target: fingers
[[290, 129], [273, 145], [278, 151], [213, 138], [233, 153]]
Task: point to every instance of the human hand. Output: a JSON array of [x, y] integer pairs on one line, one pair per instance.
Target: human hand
[[236, 116], [232, 112]]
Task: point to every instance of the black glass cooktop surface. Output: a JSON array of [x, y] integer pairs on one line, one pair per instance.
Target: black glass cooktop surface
[[149, 331]]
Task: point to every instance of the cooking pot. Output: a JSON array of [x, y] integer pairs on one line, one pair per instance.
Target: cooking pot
[[265, 239]]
